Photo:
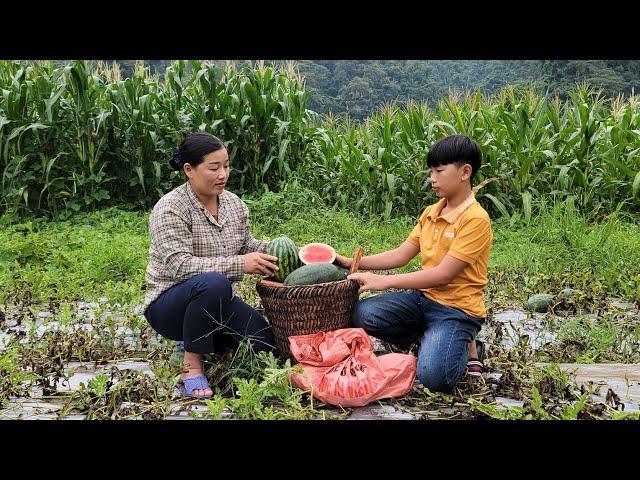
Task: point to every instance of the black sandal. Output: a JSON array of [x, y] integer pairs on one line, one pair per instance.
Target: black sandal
[[475, 367]]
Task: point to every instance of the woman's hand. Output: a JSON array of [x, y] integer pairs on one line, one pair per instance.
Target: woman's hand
[[370, 281], [344, 262], [257, 262]]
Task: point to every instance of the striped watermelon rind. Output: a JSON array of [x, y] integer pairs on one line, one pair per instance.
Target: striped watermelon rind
[[285, 249]]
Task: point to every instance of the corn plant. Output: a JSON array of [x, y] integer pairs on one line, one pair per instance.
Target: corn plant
[[537, 150], [78, 136]]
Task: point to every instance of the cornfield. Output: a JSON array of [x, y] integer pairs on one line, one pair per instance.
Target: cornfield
[[79, 137], [537, 152]]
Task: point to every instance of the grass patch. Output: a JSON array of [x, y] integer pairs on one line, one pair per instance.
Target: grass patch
[[105, 253]]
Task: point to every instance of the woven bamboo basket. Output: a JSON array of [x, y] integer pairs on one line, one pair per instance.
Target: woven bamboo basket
[[306, 309]]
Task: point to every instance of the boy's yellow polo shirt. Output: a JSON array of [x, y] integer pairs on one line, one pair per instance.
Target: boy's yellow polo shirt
[[464, 233]]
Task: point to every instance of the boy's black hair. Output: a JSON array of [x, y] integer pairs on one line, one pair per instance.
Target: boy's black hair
[[458, 149]]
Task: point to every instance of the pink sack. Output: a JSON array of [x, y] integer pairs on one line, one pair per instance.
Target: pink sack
[[341, 369]]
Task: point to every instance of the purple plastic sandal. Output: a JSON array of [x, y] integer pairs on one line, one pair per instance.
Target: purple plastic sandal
[[188, 385]]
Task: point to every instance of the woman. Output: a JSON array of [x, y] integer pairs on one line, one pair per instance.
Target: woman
[[200, 242]]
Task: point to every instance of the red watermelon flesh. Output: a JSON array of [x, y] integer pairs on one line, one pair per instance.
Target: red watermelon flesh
[[317, 253]]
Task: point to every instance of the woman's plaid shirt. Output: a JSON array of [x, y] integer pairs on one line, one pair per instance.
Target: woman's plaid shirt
[[186, 240]]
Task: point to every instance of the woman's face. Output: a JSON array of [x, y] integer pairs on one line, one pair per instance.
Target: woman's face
[[210, 177]]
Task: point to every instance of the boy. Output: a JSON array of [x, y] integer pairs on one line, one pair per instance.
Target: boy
[[443, 305]]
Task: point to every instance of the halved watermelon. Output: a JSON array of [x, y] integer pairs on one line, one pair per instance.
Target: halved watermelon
[[317, 253]]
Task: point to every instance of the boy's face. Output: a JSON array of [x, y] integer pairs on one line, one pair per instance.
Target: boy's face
[[448, 180]]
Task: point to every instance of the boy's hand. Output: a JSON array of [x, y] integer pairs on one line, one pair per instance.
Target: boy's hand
[[370, 281], [344, 262]]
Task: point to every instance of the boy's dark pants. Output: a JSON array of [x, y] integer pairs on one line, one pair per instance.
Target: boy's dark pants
[[402, 317]]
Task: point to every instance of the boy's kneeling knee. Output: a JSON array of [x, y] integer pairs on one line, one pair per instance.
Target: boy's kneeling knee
[[361, 316], [434, 380]]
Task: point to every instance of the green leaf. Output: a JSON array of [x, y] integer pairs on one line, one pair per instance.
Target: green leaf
[[526, 204], [499, 205], [391, 181], [141, 178], [636, 185]]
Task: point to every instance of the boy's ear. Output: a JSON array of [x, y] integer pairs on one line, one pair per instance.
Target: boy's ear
[[467, 170]]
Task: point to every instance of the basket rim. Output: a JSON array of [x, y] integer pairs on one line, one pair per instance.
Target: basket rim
[[270, 285]]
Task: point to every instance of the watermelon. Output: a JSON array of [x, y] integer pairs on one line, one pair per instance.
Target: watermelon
[[540, 302], [285, 249], [344, 272], [314, 273], [566, 294], [317, 253]]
